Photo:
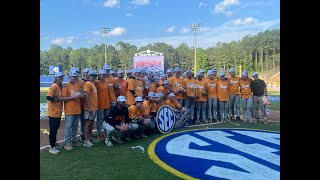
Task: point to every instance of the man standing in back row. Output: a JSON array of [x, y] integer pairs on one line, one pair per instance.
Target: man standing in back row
[[259, 89]]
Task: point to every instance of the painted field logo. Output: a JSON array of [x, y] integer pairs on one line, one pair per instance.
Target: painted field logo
[[165, 119], [219, 154]]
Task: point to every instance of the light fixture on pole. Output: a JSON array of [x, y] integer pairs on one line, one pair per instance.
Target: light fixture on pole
[[195, 27], [105, 30]]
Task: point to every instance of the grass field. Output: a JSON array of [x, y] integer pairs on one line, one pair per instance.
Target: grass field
[[118, 161], [43, 96]]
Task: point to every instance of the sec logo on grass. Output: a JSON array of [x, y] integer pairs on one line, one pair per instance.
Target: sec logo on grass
[[165, 119], [219, 154]]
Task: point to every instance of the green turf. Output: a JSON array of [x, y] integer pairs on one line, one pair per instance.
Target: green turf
[[43, 96], [275, 105], [118, 161], [273, 93]]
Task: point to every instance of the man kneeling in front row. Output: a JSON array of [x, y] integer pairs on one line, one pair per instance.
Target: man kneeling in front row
[[117, 123]]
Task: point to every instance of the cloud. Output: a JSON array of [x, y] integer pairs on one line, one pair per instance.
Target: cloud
[[204, 29], [112, 3], [226, 32], [184, 30], [259, 3], [201, 4], [129, 14], [171, 29], [245, 21], [118, 31], [140, 2], [62, 40], [223, 6]]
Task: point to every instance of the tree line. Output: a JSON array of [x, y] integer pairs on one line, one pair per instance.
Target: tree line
[[260, 52]]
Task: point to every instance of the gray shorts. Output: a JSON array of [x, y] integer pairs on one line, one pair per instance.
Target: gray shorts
[[90, 117]]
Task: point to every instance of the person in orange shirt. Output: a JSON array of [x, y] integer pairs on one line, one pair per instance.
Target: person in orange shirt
[[81, 82], [131, 94], [211, 84], [90, 107], [139, 83], [176, 85], [223, 96], [169, 73], [147, 105], [234, 91], [112, 85], [174, 104], [103, 102], [164, 89], [189, 84], [246, 96], [72, 110], [122, 83], [55, 103], [202, 100], [159, 100], [136, 118]]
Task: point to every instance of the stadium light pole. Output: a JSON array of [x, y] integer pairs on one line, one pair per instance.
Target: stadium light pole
[[105, 30], [195, 27]]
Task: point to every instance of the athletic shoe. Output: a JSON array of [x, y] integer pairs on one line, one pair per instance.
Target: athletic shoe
[[108, 142], [127, 138], [265, 120], [136, 136], [87, 143], [82, 137], [118, 140], [143, 135], [54, 150], [76, 144], [238, 118], [58, 146], [95, 140], [68, 147]]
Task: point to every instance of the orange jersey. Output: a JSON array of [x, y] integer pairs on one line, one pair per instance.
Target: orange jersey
[[159, 105], [131, 86], [212, 87], [153, 107], [152, 87], [71, 107], [146, 107], [201, 87], [190, 86], [54, 107], [134, 112], [160, 82], [234, 87], [139, 88], [80, 83], [123, 86], [111, 81], [223, 90], [176, 84], [90, 88], [172, 104], [164, 91], [103, 95], [245, 88]]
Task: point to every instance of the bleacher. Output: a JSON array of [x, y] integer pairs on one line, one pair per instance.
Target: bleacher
[[46, 81]]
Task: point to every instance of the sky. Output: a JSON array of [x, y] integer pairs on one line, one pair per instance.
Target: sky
[[77, 23]]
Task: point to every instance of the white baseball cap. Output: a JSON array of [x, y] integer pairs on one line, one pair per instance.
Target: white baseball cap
[[92, 72], [86, 70], [121, 99], [106, 67], [58, 74], [151, 94], [138, 99], [254, 74], [121, 71], [165, 82], [73, 73], [102, 71], [171, 95]]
